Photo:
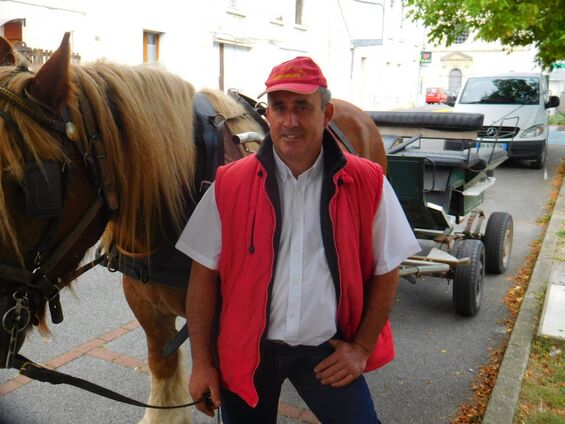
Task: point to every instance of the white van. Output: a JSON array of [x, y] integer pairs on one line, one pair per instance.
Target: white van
[[515, 112]]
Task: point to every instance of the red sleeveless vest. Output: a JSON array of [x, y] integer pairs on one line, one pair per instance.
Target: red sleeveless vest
[[248, 204]]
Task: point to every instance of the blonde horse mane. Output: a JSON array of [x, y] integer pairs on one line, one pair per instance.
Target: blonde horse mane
[[148, 138], [145, 118]]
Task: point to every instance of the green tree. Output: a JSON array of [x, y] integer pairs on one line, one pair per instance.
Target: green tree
[[511, 22]]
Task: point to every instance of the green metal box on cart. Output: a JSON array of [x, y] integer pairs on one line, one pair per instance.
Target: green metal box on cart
[[431, 186]]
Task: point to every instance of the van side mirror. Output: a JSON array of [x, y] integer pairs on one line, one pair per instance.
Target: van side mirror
[[561, 107], [553, 102]]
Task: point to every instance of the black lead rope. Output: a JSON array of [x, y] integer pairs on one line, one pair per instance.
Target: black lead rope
[[36, 372]]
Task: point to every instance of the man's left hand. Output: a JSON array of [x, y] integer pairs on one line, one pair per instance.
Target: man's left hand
[[343, 366]]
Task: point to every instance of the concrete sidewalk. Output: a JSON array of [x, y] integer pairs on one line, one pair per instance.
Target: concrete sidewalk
[[552, 323], [549, 272]]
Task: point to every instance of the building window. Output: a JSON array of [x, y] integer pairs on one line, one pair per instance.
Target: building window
[[151, 46], [298, 16], [461, 38]]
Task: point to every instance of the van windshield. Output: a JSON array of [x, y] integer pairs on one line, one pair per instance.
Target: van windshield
[[505, 90]]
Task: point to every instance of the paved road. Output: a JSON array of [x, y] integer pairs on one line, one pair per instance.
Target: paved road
[[439, 353]]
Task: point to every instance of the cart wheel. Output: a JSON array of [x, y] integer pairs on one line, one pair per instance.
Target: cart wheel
[[468, 279], [498, 242]]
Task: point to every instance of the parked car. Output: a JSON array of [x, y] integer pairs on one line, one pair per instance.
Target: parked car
[[515, 112], [435, 95]]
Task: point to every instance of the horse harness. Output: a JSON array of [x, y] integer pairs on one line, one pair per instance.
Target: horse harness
[[209, 135]]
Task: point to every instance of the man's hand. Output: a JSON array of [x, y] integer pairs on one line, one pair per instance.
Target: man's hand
[[344, 365], [350, 358], [200, 308], [204, 383]]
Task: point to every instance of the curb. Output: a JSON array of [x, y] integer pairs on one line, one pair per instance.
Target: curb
[[505, 395]]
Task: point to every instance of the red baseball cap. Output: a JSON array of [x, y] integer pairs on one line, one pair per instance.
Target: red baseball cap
[[299, 75]]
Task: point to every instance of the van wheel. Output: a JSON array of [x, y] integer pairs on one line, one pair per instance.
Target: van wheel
[[498, 242], [539, 162]]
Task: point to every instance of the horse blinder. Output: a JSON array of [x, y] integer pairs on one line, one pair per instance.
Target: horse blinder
[[42, 186]]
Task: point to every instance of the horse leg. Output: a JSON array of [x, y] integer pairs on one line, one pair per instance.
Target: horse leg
[[156, 308]]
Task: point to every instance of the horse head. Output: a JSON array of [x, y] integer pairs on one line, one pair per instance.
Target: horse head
[[46, 192]]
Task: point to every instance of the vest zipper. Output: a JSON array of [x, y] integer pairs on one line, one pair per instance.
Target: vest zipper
[[251, 242], [252, 237]]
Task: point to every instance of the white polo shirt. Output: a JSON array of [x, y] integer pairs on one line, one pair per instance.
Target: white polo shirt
[[303, 304]]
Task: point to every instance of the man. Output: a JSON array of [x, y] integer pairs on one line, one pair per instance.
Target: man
[[303, 242]]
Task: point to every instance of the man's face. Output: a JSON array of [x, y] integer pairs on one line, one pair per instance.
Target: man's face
[[297, 122]]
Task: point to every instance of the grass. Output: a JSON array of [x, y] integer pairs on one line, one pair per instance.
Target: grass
[[557, 119], [542, 398]]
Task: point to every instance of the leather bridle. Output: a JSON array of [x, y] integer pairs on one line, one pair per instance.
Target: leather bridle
[[30, 288]]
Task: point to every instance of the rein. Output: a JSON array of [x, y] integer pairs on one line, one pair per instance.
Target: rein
[[36, 372], [39, 283], [17, 318]]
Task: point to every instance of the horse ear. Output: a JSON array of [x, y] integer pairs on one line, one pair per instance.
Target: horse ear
[[7, 57], [51, 84]]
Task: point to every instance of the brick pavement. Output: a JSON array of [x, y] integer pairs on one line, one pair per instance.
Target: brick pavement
[[97, 347]]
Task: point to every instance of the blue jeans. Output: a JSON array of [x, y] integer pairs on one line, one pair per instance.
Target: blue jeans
[[343, 405]]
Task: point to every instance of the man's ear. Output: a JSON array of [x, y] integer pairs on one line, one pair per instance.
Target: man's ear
[[267, 113], [51, 85], [7, 57], [328, 113]]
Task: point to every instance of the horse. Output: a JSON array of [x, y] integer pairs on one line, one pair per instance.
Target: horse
[[107, 154], [360, 129]]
